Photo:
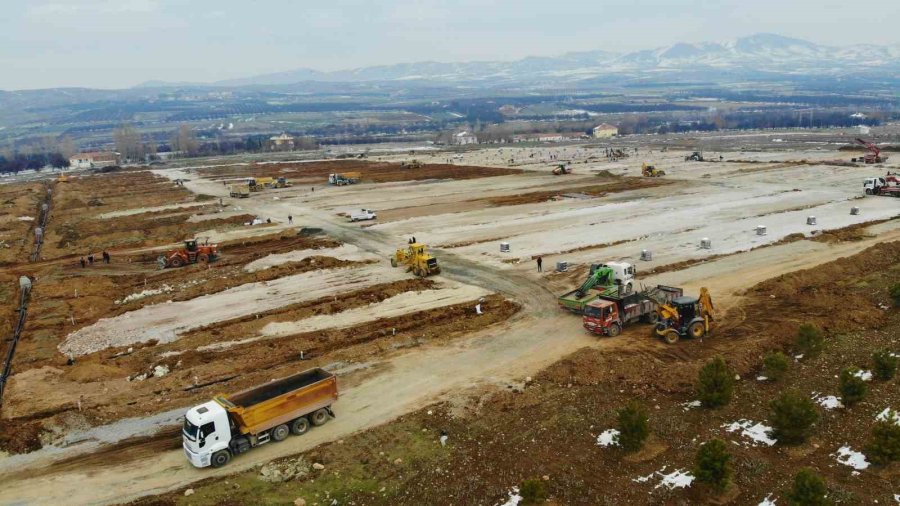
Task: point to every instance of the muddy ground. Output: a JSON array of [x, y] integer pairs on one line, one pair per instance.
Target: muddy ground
[[546, 429]]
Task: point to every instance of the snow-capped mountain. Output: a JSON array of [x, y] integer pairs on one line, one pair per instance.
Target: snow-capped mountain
[[765, 53]]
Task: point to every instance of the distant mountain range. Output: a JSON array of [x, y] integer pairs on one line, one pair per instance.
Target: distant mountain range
[[760, 53]]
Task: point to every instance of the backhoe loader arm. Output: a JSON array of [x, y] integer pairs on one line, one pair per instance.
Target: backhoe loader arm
[[707, 303]]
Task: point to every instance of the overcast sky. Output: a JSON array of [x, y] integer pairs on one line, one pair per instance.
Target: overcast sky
[[120, 43]]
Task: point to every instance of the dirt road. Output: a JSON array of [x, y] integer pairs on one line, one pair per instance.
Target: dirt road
[[536, 337]]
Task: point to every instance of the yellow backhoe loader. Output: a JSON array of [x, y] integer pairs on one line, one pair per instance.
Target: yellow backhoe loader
[[651, 171], [685, 317]]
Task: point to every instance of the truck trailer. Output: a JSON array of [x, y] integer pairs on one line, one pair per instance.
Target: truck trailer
[[610, 313], [227, 426]]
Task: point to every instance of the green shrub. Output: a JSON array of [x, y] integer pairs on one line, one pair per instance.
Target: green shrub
[[809, 489], [634, 427], [810, 340], [533, 491], [853, 388], [775, 365], [884, 444], [885, 365], [715, 383], [714, 465], [895, 294], [793, 418]]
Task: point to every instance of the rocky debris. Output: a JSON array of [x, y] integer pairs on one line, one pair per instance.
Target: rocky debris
[[189, 492], [285, 470], [160, 371], [299, 501], [318, 467]]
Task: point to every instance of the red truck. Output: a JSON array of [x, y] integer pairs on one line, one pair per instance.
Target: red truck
[[609, 314]]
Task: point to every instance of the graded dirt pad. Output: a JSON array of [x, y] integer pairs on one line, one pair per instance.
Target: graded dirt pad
[[371, 172], [615, 185], [125, 210], [19, 209], [547, 429]]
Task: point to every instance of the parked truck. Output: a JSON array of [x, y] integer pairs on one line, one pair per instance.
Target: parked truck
[[608, 314], [240, 191], [363, 215], [609, 278], [887, 186], [344, 178], [227, 426]]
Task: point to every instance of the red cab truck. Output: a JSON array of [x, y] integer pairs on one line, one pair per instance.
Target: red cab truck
[[609, 314]]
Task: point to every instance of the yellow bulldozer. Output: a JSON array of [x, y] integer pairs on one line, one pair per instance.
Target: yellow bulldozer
[[648, 170], [685, 317], [416, 259]]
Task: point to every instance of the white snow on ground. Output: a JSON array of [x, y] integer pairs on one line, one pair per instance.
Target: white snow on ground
[[142, 210], [676, 479], [756, 432], [25, 218], [687, 406], [864, 375], [768, 501], [146, 293], [761, 378], [827, 401], [887, 414], [343, 252], [609, 437], [514, 497], [846, 456]]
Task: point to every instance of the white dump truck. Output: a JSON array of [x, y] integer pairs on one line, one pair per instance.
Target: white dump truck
[[363, 215], [226, 426]]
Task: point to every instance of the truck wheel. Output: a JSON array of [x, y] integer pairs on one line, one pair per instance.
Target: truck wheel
[[280, 433], [868, 191], [652, 317], [319, 417], [300, 426], [220, 458], [176, 262], [671, 336], [696, 330], [393, 262], [614, 330], [204, 258]]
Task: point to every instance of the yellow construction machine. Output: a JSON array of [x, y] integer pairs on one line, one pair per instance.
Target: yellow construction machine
[[417, 260], [685, 317], [648, 170]]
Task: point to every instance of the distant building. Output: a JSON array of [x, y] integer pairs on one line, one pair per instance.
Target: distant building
[[548, 137], [463, 138], [281, 142], [93, 160], [605, 131]]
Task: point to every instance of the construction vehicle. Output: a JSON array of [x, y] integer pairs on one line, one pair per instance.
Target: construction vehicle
[[562, 169], [191, 253], [415, 164], [253, 184], [240, 191], [282, 183], [651, 171], [685, 317], [363, 215], [344, 179], [62, 178], [873, 154], [265, 182], [610, 313], [416, 259], [226, 426], [696, 156], [609, 278], [887, 186]]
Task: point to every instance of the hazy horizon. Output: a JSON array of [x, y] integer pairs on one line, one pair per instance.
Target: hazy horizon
[[118, 44]]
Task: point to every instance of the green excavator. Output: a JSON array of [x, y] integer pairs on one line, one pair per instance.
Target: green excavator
[[602, 280]]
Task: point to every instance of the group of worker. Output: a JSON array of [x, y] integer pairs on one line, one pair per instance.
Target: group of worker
[[90, 259]]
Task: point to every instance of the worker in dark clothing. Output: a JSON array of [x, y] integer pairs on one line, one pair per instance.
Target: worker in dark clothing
[[290, 219], [540, 264], [83, 263], [91, 259], [105, 257]]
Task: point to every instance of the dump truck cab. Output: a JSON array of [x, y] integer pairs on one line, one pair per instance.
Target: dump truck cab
[[600, 315], [206, 432]]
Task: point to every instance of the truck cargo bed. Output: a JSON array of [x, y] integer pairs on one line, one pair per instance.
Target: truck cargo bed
[[263, 393]]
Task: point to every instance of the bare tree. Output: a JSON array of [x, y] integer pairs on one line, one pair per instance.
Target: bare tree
[[67, 146], [128, 143], [184, 141]]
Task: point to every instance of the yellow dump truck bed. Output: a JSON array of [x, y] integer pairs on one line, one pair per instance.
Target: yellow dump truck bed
[[280, 401]]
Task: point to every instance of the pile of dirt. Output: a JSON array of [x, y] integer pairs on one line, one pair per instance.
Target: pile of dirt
[[616, 185]]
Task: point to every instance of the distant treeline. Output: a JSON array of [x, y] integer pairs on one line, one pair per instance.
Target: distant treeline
[[35, 161]]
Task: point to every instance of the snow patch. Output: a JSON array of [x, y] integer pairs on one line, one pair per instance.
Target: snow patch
[[609, 437], [827, 401], [687, 406], [678, 478], [758, 433], [863, 375], [846, 456], [768, 501], [146, 293], [514, 497], [761, 378], [25, 218], [888, 414]]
